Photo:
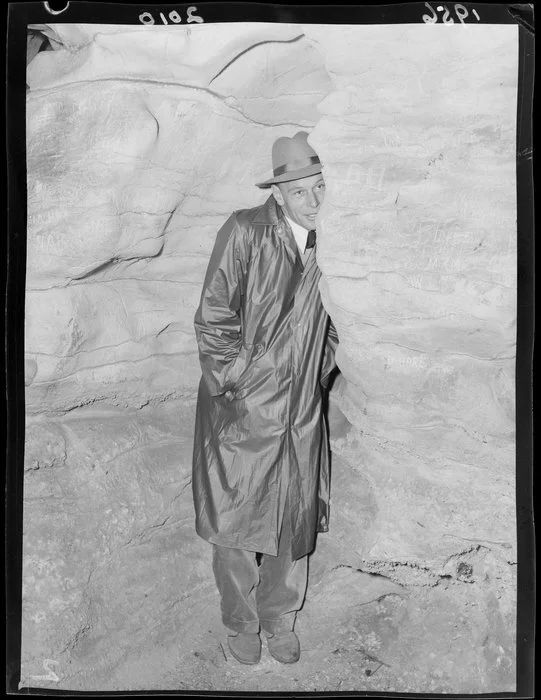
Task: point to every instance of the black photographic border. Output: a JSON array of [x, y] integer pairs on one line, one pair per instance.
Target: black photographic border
[[22, 14]]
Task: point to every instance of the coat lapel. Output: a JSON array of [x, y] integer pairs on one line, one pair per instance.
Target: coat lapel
[[270, 213]]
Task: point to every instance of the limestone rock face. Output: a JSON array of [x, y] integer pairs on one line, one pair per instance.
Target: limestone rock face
[[418, 250], [141, 141], [109, 546]]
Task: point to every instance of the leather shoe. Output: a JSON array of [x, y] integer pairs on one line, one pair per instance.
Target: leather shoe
[[246, 648], [284, 647]]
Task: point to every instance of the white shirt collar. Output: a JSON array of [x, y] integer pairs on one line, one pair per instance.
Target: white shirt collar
[[300, 233]]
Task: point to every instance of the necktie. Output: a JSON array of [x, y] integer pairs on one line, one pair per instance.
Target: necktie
[[311, 240]]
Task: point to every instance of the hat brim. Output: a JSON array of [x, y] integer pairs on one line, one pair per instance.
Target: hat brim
[[292, 175]]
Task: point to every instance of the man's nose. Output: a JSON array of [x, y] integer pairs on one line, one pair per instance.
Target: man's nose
[[313, 199]]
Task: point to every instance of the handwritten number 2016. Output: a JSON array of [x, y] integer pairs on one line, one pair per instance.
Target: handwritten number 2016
[[147, 18], [460, 11]]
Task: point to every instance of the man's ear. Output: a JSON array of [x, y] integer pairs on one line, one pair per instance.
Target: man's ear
[[277, 194]]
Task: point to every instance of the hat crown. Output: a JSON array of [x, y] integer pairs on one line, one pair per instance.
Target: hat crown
[[292, 159], [288, 151]]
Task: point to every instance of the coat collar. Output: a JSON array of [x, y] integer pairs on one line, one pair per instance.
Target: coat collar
[[269, 213]]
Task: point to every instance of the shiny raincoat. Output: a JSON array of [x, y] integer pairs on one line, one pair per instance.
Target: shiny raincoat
[[266, 347]]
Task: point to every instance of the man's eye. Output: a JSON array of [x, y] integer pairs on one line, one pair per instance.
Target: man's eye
[[321, 186], [298, 193]]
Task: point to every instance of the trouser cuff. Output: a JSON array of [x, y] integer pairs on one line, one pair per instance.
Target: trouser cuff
[[248, 627], [285, 623]]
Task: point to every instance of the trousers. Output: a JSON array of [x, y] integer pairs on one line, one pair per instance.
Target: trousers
[[265, 596]]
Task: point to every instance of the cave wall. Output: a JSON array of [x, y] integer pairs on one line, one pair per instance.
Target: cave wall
[[140, 143], [418, 254]]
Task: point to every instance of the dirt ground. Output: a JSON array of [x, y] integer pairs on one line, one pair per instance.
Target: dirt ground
[[359, 631]]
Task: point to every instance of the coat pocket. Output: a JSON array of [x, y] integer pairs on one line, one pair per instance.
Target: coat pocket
[[239, 366], [244, 370]]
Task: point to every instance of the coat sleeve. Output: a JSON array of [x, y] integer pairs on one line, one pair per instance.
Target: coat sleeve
[[218, 318], [329, 362]]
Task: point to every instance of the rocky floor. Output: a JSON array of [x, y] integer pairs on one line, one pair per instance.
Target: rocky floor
[[146, 614], [354, 635]]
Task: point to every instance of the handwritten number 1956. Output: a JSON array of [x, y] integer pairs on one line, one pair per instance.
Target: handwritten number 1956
[[460, 11]]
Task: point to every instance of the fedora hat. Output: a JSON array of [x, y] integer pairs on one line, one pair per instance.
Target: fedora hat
[[292, 158]]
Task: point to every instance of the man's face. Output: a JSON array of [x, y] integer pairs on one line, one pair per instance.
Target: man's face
[[301, 199]]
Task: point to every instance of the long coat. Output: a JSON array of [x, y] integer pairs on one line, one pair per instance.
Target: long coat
[[265, 351]]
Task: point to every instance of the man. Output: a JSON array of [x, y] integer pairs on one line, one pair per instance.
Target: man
[[261, 468]]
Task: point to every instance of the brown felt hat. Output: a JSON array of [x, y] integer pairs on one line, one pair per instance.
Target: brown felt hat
[[292, 159]]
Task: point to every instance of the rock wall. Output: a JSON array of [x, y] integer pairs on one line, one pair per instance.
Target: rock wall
[[140, 143], [418, 254]]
